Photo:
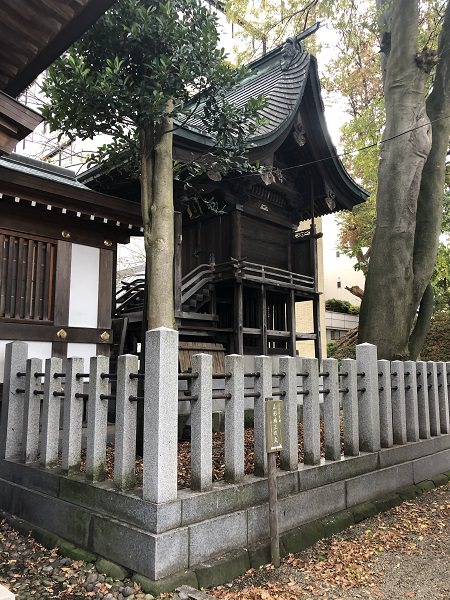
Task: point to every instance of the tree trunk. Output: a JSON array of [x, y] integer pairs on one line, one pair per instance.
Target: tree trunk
[[405, 241], [158, 216]]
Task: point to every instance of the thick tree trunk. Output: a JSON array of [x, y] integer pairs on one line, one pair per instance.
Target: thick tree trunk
[[157, 216], [395, 283]]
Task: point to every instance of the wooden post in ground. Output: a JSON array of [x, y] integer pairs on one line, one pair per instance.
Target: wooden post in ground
[[274, 443]]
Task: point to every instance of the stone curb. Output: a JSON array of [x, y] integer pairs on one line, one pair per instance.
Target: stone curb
[[227, 567]]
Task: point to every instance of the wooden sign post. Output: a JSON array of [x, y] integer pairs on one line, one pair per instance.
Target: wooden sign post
[[274, 442]]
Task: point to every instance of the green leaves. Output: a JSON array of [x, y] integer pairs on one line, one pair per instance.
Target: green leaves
[[141, 53]]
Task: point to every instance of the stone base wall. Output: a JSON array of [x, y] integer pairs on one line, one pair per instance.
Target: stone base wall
[[158, 540]]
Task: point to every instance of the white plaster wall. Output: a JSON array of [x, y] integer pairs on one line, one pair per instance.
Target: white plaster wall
[[35, 350], [81, 351], [84, 280]]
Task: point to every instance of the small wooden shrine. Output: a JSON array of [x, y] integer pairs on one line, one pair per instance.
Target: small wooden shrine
[[240, 271]]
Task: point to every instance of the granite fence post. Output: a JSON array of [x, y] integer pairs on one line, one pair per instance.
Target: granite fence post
[[288, 386], [349, 384], [201, 424], [443, 396], [384, 389], [398, 401], [32, 410], [422, 400], [433, 399], [97, 418], [161, 415], [11, 428], [412, 407], [234, 418], [369, 409], [311, 411], [51, 410], [73, 415], [331, 409], [126, 416], [263, 387]]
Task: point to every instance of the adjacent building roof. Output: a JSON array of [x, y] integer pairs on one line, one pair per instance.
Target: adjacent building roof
[[40, 183], [34, 33]]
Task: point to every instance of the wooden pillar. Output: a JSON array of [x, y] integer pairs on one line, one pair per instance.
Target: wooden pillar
[[177, 264], [292, 323], [62, 294], [105, 285], [265, 342], [238, 318], [316, 301], [236, 233]]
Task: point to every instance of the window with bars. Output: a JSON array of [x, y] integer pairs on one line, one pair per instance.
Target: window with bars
[[27, 276]]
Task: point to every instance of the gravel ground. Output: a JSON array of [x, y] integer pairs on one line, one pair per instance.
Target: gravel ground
[[403, 553]]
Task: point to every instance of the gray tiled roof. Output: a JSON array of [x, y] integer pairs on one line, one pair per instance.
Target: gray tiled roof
[[280, 79], [43, 170]]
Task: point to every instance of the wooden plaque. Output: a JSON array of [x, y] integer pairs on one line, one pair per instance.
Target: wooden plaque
[[274, 426]]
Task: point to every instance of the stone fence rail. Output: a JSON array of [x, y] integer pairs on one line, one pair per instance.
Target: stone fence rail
[[377, 403]]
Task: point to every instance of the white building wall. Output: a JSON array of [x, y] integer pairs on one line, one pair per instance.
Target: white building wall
[[338, 268], [84, 281]]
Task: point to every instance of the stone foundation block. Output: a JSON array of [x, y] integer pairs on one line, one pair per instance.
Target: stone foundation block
[[337, 523], [427, 467], [110, 569], [222, 569], [71, 551], [440, 480], [363, 511], [302, 537], [384, 504], [425, 486], [45, 538], [259, 555], [408, 493], [379, 483], [217, 536], [166, 584]]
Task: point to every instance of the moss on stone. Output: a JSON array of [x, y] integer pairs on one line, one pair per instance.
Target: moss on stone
[[222, 569], [302, 537], [384, 504], [259, 555], [408, 493], [45, 538], [440, 480], [363, 511], [425, 486], [71, 551], [111, 569], [337, 523]]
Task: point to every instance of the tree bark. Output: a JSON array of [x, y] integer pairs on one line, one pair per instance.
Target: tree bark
[[158, 219], [390, 303]]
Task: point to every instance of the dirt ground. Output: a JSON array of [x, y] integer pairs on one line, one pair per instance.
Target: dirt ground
[[403, 553]]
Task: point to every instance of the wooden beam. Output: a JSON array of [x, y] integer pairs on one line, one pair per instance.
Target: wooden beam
[[21, 331]]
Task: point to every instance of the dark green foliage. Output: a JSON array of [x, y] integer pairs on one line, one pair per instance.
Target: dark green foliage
[[341, 306], [437, 342], [119, 77]]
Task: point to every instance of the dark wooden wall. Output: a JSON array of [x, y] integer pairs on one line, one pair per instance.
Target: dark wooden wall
[[201, 238]]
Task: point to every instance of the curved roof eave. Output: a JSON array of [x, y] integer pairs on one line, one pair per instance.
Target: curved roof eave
[[334, 159]]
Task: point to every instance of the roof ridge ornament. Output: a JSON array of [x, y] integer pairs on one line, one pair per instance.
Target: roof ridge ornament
[[290, 51]]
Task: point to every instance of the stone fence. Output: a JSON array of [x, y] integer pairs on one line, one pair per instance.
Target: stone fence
[[352, 411]]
